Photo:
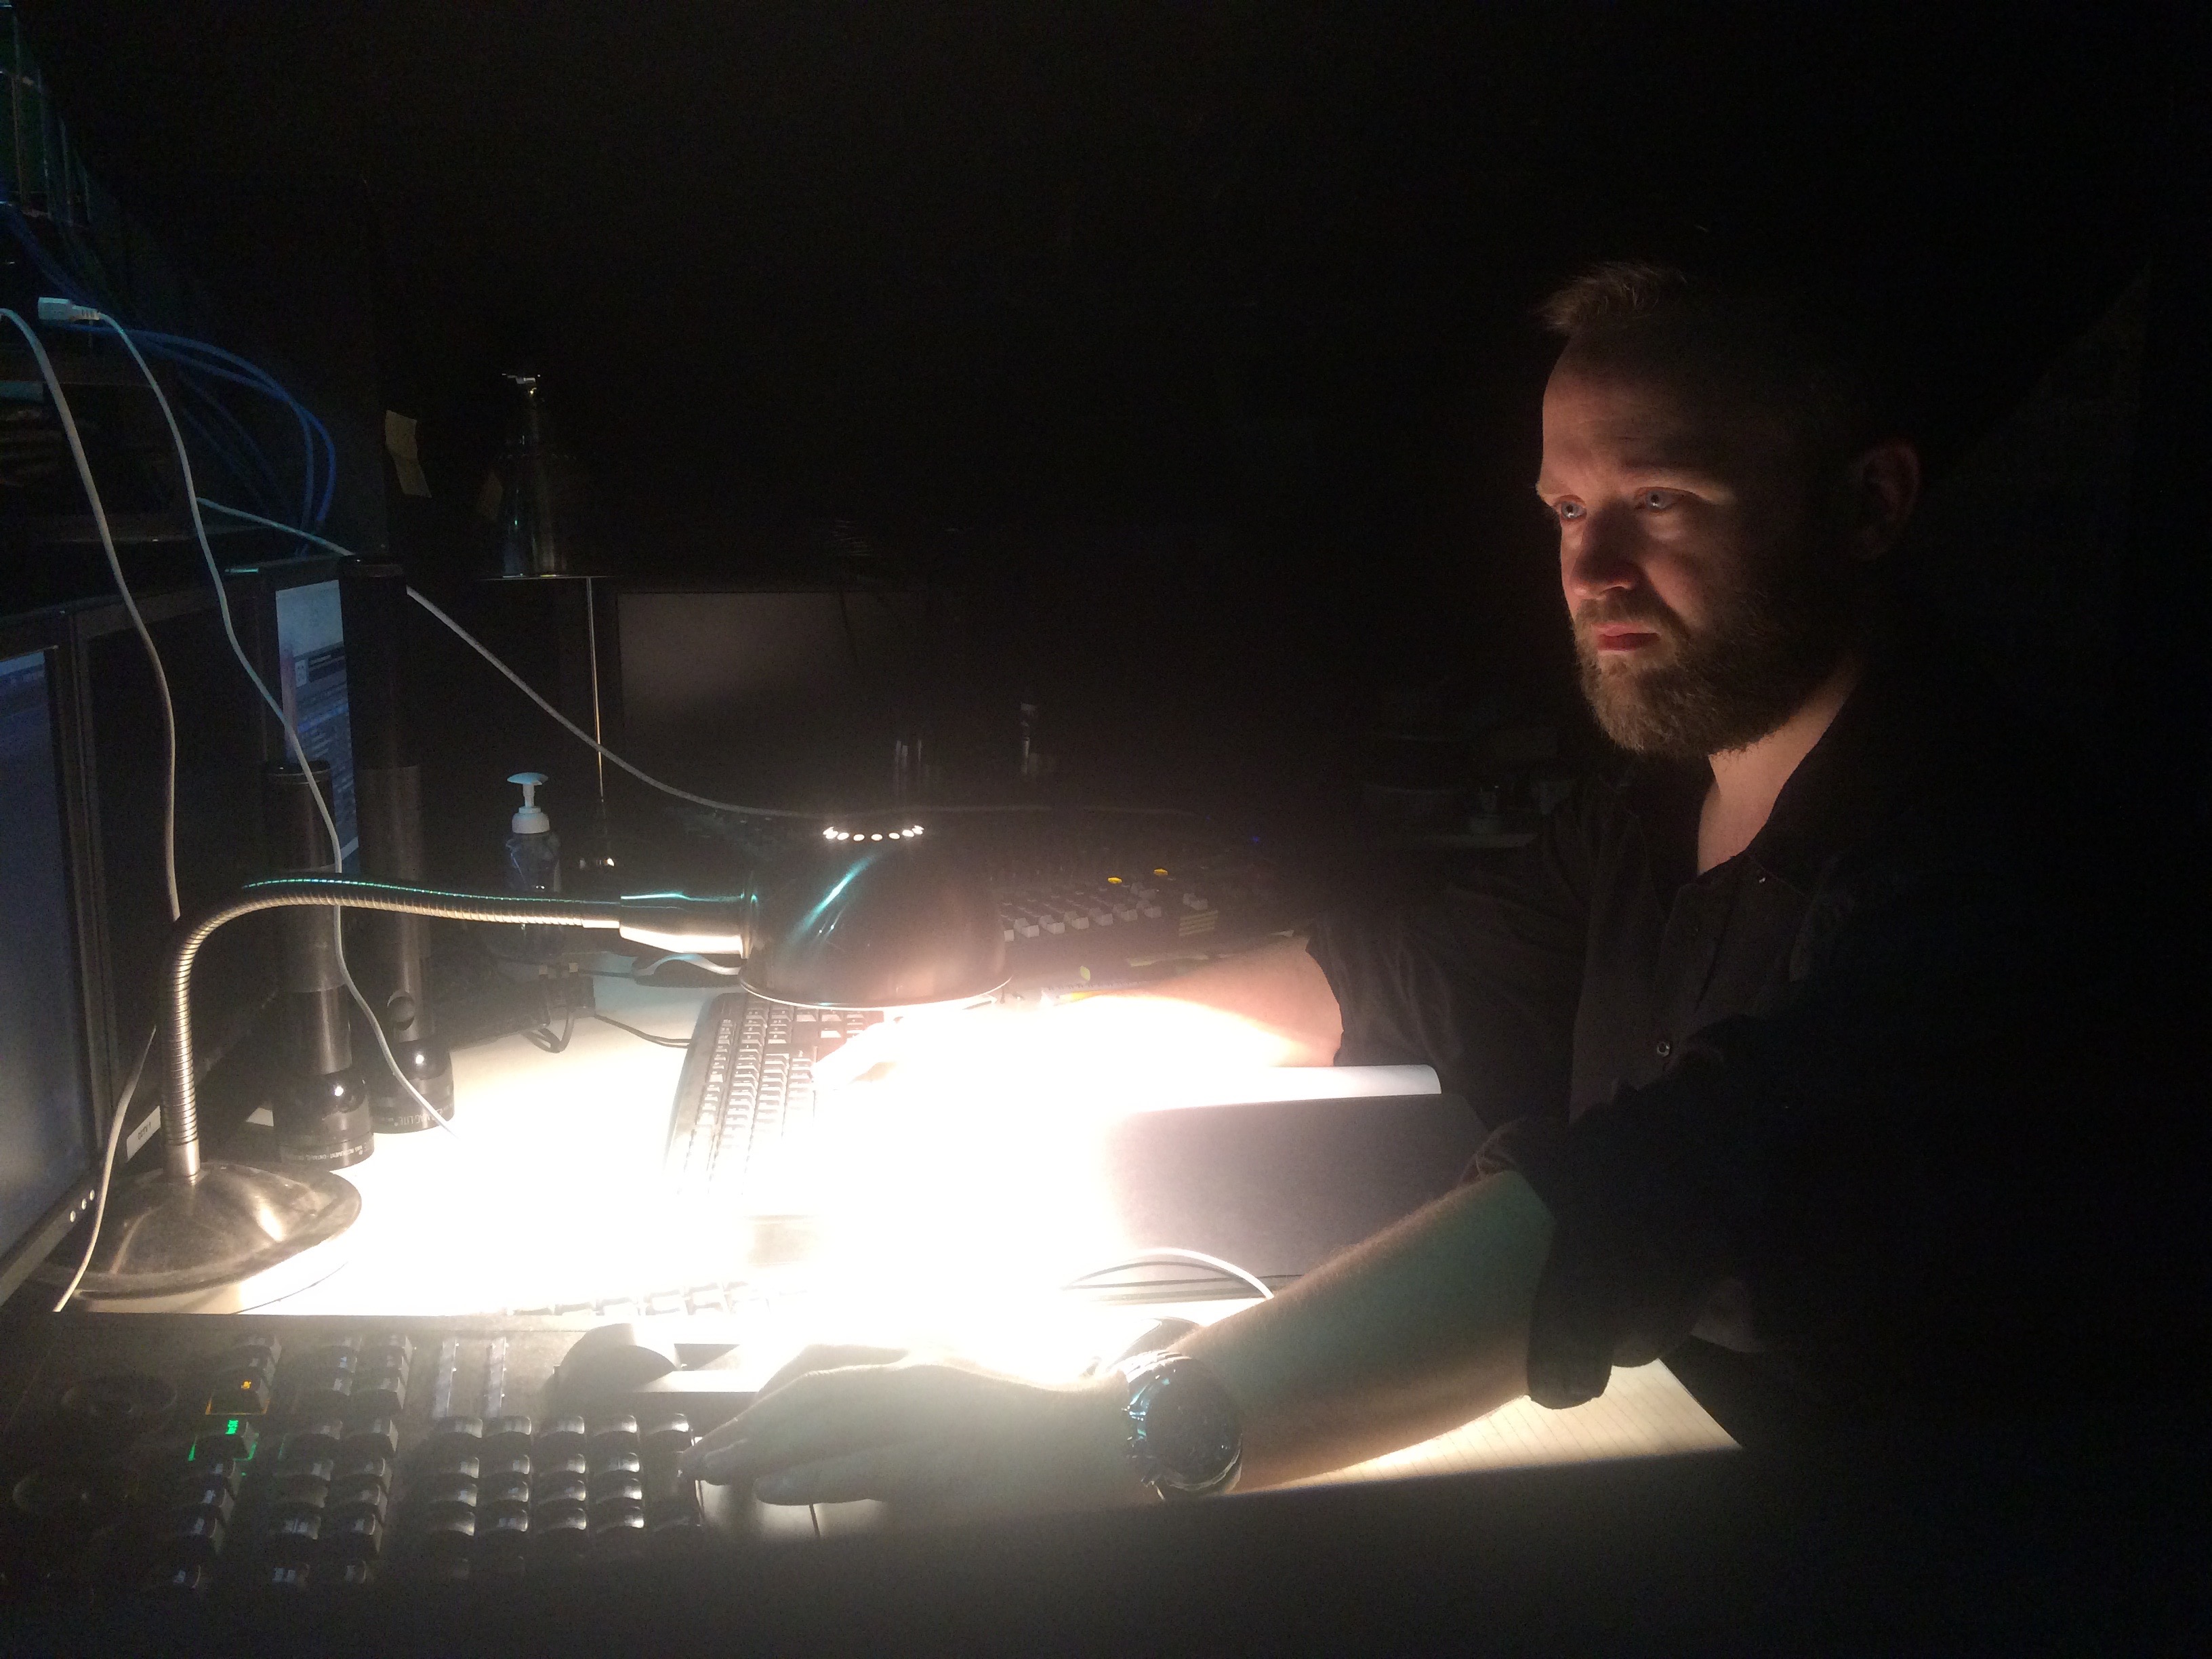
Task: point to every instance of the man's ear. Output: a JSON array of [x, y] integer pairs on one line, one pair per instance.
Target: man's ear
[[1884, 487]]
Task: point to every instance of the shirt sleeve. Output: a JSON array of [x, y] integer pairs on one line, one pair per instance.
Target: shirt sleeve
[[1862, 1171], [1481, 982]]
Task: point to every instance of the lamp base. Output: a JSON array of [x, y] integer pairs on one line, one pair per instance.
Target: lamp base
[[164, 1237]]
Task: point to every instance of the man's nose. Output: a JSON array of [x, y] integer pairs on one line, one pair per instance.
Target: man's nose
[[1597, 557]]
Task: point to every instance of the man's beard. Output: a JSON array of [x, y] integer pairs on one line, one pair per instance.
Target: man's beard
[[1773, 637]]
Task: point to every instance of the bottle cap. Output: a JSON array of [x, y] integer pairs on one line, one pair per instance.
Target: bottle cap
[[531, 819]]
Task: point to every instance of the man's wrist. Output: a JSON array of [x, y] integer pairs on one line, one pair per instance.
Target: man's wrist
[[1098, 1430], [1186, 1435]]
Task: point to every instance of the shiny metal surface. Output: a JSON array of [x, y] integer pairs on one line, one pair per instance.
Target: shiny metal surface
[[163, 1236], [181, 1123], [876, 924], [198, 1224]]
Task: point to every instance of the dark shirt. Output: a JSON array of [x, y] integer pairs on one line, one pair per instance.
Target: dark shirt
[[1843, 1105]]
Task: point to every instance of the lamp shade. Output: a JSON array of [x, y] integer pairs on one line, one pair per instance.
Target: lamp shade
[[877, 918]]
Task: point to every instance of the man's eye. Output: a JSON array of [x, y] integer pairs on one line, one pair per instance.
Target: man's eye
[[1568, 511], [1655, 501]]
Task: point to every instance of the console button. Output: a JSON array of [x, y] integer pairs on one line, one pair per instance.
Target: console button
[[238, 1391], [300, 1491], [229, 1438], [290, 1532], [376, 1469], [615, 1489], [614, 1434], [207, 1489], [379, 1437], [615, 1462], [446, 1494], [381, 1392], [563, 1437], [179, 1576], [195, 1533], [450, 1533], [452, 1435], [357, 1534], [312, 1441], [565, 1488]]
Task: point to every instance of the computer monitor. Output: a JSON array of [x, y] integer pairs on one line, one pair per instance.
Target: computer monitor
[[52, 1077], [287, 616], [791, 697], [300, 634]]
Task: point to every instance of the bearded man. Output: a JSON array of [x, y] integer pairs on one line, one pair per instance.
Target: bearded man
[[1786, 1069]]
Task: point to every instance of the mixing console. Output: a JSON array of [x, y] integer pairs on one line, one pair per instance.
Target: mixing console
[[240, 1457]]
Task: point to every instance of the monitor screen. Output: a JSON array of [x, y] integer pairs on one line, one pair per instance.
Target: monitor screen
[[46, 1113], [221, 744], [791, 698], [311, 668]]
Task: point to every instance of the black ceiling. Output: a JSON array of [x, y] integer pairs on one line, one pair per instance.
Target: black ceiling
[[924, 260]]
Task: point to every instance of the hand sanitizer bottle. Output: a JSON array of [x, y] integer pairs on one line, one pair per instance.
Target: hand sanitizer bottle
[[533, 851]]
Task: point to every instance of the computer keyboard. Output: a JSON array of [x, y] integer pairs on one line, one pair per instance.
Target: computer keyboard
[[740, 1131]]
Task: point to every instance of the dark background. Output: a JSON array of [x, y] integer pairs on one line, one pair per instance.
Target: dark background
[[1188, 343]]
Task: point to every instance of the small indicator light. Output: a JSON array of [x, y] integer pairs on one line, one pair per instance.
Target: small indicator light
[[1159, 873], [1116, 880]]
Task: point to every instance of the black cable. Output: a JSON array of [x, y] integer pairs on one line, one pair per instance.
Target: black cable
[[543, 1036], [649, 1037]]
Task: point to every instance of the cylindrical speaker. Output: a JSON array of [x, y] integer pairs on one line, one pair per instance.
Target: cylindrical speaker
[[394, 969], [320, 1106]]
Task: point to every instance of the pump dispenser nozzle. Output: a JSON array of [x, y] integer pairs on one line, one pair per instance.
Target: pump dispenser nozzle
[[533, 851], [531, 819]]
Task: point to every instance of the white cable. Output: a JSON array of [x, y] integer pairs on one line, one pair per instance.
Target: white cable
[[297, 749], [586, 738], [107, 1168], [129, 603], [169, 785], [1170, 1253], [607, 754], [524, 687]]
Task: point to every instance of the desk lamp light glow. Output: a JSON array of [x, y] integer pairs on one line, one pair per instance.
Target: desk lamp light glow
[[196, 1223]]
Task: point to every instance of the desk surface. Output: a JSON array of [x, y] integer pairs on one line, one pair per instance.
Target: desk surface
[[549, 1195]]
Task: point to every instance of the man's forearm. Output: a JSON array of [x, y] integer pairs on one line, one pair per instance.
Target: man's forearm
[[1279, 988], [1416, 1331]]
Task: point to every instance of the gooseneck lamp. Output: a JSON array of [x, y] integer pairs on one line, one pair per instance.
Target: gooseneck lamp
[[197, 1223]]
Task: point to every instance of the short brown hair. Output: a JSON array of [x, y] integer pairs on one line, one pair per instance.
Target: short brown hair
[[1757, 339]]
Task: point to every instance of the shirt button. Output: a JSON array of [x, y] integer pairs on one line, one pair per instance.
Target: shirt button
[[1665, 1048]]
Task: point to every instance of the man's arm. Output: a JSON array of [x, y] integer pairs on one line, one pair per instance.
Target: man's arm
[[1416, 1331], [1420, 1328], [1279, 988], [1270, 1007]]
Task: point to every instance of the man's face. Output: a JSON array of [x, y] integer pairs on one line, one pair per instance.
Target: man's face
[[1706, 597]]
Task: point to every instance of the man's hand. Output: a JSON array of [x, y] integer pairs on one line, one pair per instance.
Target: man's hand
[[1271, 1006], [838, 1424]]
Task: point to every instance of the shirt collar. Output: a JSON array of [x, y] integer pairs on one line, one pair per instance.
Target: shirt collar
[[1892, 735]]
